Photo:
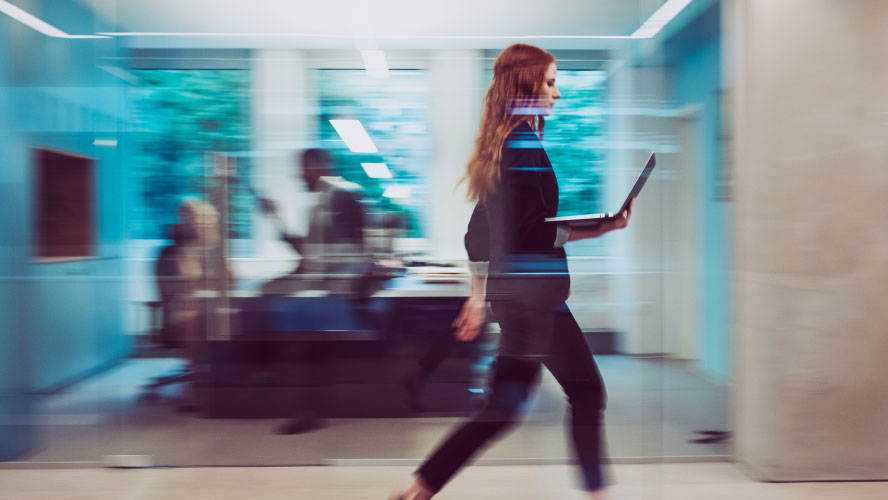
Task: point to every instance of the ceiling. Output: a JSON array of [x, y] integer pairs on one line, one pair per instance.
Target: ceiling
[[383, 23]]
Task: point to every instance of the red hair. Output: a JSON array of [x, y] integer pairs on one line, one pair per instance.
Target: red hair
[[518, 77]]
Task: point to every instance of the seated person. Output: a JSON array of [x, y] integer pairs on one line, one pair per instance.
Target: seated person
[[189, 264]]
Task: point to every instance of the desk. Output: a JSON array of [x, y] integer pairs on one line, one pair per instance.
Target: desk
[[401, 286], [278, 349]]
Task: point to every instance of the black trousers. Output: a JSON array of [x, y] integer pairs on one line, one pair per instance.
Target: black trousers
[[571, 362]]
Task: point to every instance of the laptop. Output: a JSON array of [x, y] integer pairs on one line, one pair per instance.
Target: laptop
[[593, 219]]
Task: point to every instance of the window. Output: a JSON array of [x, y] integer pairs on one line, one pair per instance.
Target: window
[[181, 116], [574, 141], [394, 112]]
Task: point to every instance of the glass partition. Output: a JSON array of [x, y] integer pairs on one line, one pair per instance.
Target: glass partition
[[261, 316]]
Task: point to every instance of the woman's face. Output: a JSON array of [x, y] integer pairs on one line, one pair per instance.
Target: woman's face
[[549, 92]]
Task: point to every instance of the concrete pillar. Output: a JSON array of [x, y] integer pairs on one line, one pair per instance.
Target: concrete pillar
[[810, 231]]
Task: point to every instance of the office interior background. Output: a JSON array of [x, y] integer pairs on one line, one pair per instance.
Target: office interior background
[[746, 298]]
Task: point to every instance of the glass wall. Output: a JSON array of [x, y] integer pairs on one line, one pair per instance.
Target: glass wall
[[395, 113], [181, 117], [275, 344], [574, 137]]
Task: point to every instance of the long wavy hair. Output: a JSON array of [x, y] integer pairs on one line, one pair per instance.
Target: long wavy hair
[[518, 77]]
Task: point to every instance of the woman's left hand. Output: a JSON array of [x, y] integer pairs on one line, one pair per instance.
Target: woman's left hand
[[470, 319]]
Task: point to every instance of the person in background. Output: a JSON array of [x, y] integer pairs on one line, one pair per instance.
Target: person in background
[[333, 258], [183, 268], [508, 239], [332, 252]]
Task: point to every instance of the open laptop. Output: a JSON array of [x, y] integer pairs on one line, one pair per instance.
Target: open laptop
[[595, 218]]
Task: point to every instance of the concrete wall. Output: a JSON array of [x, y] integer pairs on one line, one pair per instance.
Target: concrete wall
[[810, 232]]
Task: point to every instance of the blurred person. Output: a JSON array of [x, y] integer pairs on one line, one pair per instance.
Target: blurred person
[[440, 347], [512, 181], [332, 252], [333, 257], [182, 268]]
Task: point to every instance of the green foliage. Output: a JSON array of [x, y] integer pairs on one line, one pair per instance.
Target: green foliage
[[573, 138], [181, 116], [394, 112]]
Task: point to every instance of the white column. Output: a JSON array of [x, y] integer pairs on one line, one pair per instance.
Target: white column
[[283, 124], [636, 254], [457, 98]]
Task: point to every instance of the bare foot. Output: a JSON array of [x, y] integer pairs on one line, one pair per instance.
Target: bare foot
[[416, 491], [599, 494]]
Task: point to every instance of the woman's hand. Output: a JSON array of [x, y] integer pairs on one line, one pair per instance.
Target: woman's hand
[[471, 317], [622, 219], [619, 221]]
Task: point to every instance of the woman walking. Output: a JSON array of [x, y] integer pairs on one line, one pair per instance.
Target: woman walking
[[518, 264]]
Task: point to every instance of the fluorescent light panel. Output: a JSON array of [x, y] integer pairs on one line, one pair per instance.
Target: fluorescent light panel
[[398, 192], [381, 37], [105, 142], [35, 23], [375, 63], [660, 18], [377, 170], [648, 29], [354, 135]]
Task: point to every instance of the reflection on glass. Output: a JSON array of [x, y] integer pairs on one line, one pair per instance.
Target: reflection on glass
[[180, 116], [395, 113], [574, 138]]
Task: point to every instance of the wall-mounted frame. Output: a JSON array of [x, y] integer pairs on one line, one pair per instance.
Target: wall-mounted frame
[[64, 206]]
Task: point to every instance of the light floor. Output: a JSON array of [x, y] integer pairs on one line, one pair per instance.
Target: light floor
[[702, 481], [654, 409]]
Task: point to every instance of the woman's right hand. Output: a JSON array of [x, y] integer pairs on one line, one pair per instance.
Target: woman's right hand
[[621, 220], [471, 317]]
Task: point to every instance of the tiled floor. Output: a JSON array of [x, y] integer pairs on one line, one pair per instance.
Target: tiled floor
[[654, 407], [707, 481]]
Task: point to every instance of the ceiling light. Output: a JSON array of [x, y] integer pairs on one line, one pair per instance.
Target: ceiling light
[[374, 62], [660, 18], [377, 170], [37, 24], [105, 142], [398, 192], [381, 37], [354, 135]]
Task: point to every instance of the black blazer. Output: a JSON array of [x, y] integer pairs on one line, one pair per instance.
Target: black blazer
[[508, 229]]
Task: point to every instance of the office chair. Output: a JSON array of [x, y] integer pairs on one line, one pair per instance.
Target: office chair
[[163, 335]]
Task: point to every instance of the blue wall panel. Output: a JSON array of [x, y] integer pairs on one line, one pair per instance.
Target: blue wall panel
[[695, 56], [58, 321]]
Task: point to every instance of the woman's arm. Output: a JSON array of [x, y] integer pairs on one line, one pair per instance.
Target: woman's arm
[[606, 226], [471, 317]]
